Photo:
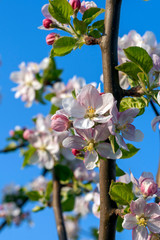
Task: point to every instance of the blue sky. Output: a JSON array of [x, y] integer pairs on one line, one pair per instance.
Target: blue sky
[[20, 40]]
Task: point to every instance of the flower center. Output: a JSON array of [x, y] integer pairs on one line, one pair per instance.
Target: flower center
[[90, 112], [142, 221], [89, 147]]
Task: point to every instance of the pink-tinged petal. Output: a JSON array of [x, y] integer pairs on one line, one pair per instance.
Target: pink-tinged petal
[[72, 107], [152, 210], [101, 132], [83, 123], [45, 11], [121, 142], [87, 134], [129, 132], [129, 221], [137, 206], [146, 175], [128, 115], [125, 178], [89, 97], [154, 225], [74, 142], [139, 233], [105, 150], [138, 136], [154, 122], [114, 113], [90, 160], [134, 180], [111, 127], [158, 97], [107, 103], [102, 119]]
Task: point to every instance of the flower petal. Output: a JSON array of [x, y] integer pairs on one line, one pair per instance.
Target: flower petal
[[107, 103], [83, 123], [129, 221], [140, 233], [74, 142], [154, 122], [105, 150], [154, 225], [90, 160], [137, 206]]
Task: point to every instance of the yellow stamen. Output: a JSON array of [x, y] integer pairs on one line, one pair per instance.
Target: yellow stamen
[[142, 221], [90, 112]]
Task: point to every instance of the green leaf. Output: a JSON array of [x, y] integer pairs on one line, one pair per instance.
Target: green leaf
[[121, 193], [130, 69], [49, 96], [63, 173], [74, 94], [49, 190], [64, 45], [90, 14], [39, 96], [95, 34], [136, 102], [128, 154], [80, 26], [34, 195], [140, 57], [27, 155], [98, 25], [119, 227], [68, 200], [61, 10], [119, 172], [51, 74], [53, 109], [37, 209]]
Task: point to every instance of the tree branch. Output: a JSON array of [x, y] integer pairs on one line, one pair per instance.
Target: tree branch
[[133, 92], [111, 84], [57, 208]]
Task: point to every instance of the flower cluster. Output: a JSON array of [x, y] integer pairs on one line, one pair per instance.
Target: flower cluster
[[27, 80], [93, 117]]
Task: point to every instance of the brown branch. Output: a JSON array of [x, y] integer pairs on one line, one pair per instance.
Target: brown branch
[[89, 40], [111, 84], [57, 208], [7, 150], [133, 92]]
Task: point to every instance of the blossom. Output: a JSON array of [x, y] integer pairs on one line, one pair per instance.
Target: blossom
[[82, 174], [76, 4], [120, 122], [51, 38], [81, 206], [89, 140], [96, 204], [46, 149], [27, 82], [154, 122], [145, 186], [87, 5], [60, 122], [39, 184], [142, 215], [89, 107], [9, 210], [63, 91]]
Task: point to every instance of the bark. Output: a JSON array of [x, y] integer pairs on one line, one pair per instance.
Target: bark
[[58, 209], [111, 84]]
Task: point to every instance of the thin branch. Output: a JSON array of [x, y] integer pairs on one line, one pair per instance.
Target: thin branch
[[133, 92], [111, 84], [57, 208], [7, 150]]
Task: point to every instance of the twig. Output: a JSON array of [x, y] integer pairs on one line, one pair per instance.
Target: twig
[[57, 208]]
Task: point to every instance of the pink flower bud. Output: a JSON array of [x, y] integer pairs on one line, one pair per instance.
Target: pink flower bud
[[75, 152], [76, 4], [47, 23], [27, 133], [11, 133], [101, 93], [51, 38], [148, 187], [59, 122]]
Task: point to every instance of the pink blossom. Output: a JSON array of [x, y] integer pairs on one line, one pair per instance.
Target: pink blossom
[[27, 134], [145, 186], [142, 215], [154, 122], [89, 108], [51, 38], [121, 123], [60, 122], [87, 5], [88, 141], [47, 23], [76, 4]]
